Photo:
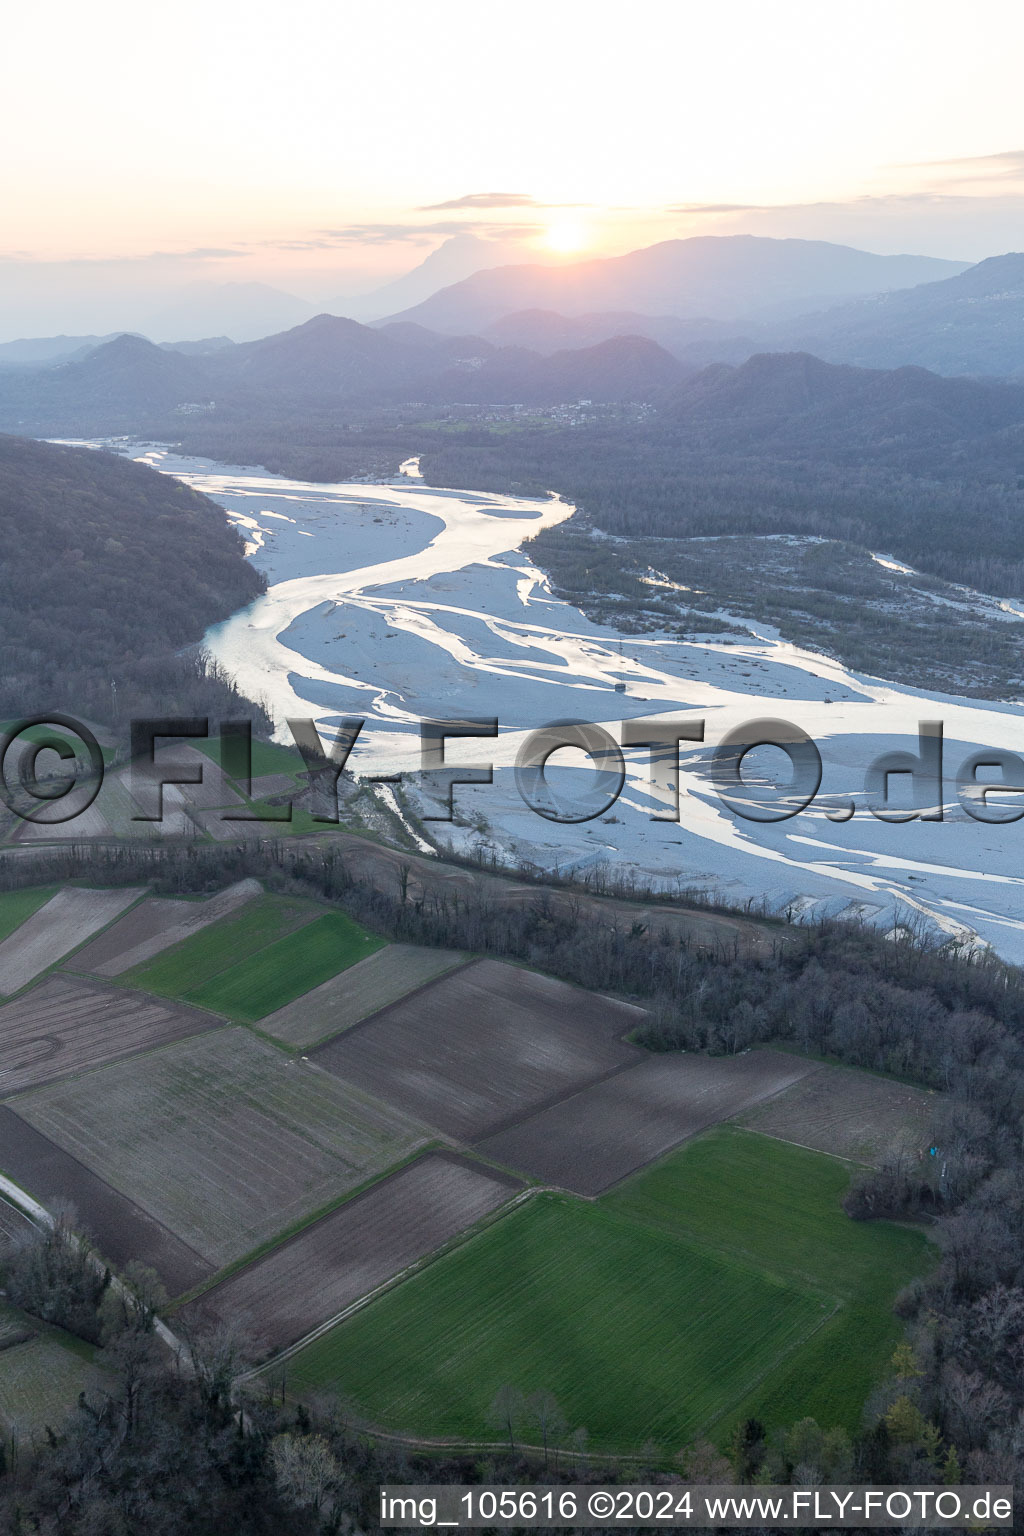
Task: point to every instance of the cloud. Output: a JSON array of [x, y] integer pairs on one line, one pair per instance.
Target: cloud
[[485, 200], [158, 258], [417, 234], [699, 208], [495, 200], [1008, 162], [881, 203]]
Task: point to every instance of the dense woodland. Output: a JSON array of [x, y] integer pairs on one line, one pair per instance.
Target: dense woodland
[[109, 575], [652, 481], [946, 1018]]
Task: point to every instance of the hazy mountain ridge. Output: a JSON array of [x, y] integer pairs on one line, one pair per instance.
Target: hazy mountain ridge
[[970, 323], [131, 384], [796, 403], [458, 257], [693, 342], [43, 351], [724, 277], [542, 357]]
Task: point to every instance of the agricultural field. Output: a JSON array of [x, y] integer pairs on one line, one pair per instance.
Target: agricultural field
[[327, 1266], [155, 925], [723, 1281], [608, 1130], [50, 933], [90, 822], [371, 984], [850, 1114], [779, 1205], [40, 1376], [16, 906], [264, 982], [67, 1025], [214, 790], [485, 1046], [223, 1139], [120, 1230], [179, 971], [110, 814], [268, 758]]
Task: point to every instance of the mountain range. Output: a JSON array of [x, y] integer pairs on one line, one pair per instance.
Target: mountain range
[[456, 258], [129, 384], [719, 277], [712, 299], [793, 406], [969, 323]]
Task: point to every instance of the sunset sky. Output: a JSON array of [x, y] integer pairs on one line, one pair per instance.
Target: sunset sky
[[324, 145]]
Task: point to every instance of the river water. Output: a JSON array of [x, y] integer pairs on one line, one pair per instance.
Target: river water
[[398, 602]]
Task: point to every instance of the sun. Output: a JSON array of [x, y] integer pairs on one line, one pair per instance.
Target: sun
[[565, 236]]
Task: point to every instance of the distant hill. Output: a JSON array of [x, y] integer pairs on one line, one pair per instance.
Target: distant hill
[[328, 357], [132, 366], [124, 385], [41, 351], [724, 277], [241, 311], [457, 257], [691, 341], [795, 405], [971, 323], [108, 569], [624, 368], [131, 385]]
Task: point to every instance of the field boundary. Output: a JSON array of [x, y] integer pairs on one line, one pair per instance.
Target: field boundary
[[135, 1209], [297, 1230], [205, 1022], [377, 1013], [55, 966], [399, 1277]]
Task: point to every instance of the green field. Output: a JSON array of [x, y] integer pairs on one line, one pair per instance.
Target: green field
[[724, 1281], [40, 1379], [41, 735], [267, 756], [196, 960], [16, 906], [284, 971]]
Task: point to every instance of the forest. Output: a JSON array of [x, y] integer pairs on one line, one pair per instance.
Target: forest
[[652, 480], [110, 573]]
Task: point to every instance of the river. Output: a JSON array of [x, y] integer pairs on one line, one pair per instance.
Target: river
[[399, 601]]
